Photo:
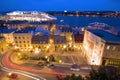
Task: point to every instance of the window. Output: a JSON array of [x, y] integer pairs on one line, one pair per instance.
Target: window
[[24, 41], [16, 42], [108, 47], [15, 37], [19, 37], [19, 41]]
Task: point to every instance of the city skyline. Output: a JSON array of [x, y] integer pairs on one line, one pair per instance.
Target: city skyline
[[60, 5]]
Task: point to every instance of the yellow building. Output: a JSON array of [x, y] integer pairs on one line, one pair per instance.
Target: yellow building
[[59, 43], [67, 32], [101, 47], [8, 34], [40, 43], [3, 44], [22, 38]]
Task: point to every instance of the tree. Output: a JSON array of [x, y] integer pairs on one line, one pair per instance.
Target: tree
[[73, 77], [103, 73]]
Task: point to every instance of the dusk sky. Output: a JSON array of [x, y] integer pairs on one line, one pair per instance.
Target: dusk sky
[[60, 5]]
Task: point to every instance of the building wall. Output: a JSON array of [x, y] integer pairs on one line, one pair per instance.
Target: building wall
[[97, 50], [93, 47], [3, 45], [40, 47], [60, 47], [8, 37], [68, 36], [112, 51], [23, 41]]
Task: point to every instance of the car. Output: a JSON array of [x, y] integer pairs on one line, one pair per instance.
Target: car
[[12, 75], [75, 67], [51, 65], [41, 64]]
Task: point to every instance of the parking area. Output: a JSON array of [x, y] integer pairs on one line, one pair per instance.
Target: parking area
[[72, 58]]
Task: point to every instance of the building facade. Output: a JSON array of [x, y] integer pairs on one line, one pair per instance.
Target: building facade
[[22, 38], [8, 34], [3, 44], [101, 47]]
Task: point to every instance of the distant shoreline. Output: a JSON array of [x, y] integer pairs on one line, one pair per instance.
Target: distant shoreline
[[79, 13]]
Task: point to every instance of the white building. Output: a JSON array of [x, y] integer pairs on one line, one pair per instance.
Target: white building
[[101, 47]]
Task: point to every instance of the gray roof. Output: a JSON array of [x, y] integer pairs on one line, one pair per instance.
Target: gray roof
[[7, 30], [38, 39], [1, 37], [109, 37], [59, 39]]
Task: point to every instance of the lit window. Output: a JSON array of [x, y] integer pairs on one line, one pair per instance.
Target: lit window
[[114, 48], [108, 47]]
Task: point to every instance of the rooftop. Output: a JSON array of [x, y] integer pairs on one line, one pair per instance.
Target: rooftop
[[59, 39], [6, 30], [106, 35], [1, 37], [37, 39], [66, 29], [26, 30]]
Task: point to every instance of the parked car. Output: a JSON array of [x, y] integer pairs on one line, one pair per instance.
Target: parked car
[[12, 75]]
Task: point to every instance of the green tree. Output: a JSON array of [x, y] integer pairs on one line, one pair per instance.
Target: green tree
[[73, 77], [79, 77], [103, 73]]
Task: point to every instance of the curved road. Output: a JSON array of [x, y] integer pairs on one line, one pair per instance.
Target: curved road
[[9, 64], [5, 67]]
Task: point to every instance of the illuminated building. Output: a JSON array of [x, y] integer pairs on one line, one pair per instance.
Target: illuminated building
[[28, 16], [22, 38], [40, 43], [67, 32], [3, 44], [8, 34], [59, 42], [101, 47]]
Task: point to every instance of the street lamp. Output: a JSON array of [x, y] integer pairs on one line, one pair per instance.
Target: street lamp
[[60, 61], [64, 46]]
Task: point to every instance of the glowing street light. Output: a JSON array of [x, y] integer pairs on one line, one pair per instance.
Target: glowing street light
[[19, 54], [47, 46], [60, 61], [64, 46], [30, 47], [46, 57]]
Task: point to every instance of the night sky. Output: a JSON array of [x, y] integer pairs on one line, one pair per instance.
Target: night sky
[[60, 5]]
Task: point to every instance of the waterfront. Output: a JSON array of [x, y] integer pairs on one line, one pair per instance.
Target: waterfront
[[81, 21]]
